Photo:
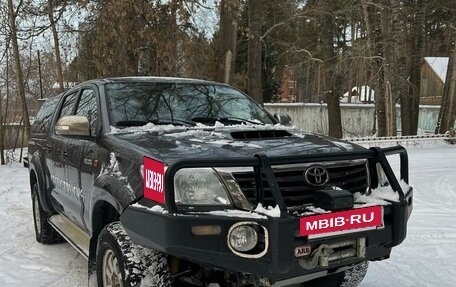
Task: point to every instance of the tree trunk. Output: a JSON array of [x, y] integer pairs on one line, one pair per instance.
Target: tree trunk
[[447, 113], [373, 31], [2, 147], [4, 114], [255, 84], [350, 81], [17, 62], [58, 61], [387, 126], [390, 109], [175, 31], [416, 55], [226, 48], [399, 81], [332, 88]]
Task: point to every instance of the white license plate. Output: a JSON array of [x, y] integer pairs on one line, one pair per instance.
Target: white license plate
[[353, 220]]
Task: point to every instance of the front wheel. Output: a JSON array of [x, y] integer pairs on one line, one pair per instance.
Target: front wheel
[[349, 278], [121, 263]]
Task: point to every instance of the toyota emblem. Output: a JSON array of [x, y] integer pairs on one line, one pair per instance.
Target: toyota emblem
[[316, 175]]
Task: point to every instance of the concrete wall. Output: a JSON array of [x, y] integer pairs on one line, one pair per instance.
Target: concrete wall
[[357, 120]]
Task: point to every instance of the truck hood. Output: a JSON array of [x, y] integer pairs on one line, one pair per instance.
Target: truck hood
[[170, 143]]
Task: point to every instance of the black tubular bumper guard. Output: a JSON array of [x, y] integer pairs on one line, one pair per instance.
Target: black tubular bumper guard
[[170, 231]]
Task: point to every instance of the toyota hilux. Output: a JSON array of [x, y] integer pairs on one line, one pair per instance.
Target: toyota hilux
[[182, 182]]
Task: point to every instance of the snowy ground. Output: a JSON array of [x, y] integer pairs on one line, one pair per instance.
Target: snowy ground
[[426, 258]]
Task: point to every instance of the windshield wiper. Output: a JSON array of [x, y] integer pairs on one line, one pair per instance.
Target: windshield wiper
[[131, 123], [224, 120], [135, 123]]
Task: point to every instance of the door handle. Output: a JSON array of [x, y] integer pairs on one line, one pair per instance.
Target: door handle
[[64, 154], [48, 148]]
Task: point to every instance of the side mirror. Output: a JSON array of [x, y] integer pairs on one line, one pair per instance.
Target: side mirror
[[284, 119], [73, 126]]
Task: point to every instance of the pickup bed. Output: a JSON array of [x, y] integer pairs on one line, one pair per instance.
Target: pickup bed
[[181, 182]]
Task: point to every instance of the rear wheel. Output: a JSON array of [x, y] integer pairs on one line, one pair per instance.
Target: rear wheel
[[44, 232], [349, 278]]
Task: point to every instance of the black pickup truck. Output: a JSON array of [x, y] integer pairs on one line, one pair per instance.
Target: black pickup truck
[[180, 182]]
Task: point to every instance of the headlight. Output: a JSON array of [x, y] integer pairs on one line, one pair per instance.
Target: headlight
[[199, 186]]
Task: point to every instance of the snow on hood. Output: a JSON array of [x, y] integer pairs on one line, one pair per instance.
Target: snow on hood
[[171, 143], [218, 126]]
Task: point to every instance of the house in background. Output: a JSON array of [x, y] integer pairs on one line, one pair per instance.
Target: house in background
[[359, 95], [66, 86], [433, 75], [288, 87]]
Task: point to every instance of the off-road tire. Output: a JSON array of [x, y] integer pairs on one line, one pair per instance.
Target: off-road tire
[[349, 278], [139, 266], [44, 232]]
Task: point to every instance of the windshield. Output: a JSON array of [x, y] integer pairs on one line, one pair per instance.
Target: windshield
[[139, 103]]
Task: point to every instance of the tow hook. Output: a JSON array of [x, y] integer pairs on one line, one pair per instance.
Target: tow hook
[[319, 257]]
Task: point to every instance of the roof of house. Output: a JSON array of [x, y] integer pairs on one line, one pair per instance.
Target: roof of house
[[439, 65]]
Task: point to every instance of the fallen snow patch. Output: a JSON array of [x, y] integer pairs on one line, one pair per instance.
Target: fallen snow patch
[[155, 208], [158, 209], [233, 143], [269, 211], [379, 196], [232, 213], [312, 210], [113, 169], [404, 186]]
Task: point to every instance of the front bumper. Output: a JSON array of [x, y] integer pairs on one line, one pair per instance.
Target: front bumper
[[171, 233]]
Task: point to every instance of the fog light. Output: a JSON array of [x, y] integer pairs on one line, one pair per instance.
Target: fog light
[[243, 238]]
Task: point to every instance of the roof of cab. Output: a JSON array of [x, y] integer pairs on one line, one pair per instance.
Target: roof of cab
[[153, 80]]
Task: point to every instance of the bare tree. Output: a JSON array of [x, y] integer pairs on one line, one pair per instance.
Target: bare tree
[[4, 113], [331, 77], [447, 113], [255, 84], [55, 35], [226, 47], [12, 15], [387, 106], [374, 35], [415, 42], [2, 147], [399, 77]]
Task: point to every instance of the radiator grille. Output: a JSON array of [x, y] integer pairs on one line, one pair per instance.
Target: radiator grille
[[295, 190]]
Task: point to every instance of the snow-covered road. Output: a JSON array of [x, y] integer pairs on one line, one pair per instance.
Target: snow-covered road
[[426, 258]]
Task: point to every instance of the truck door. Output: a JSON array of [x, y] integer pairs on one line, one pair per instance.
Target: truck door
[[58, 156], [88, 149]]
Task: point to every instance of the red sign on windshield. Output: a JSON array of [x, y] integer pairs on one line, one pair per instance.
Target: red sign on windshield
[[154, 180]]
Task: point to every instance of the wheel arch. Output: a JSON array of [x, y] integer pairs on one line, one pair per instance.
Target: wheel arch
[[103, 214], [33, 180], [36, 175]]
